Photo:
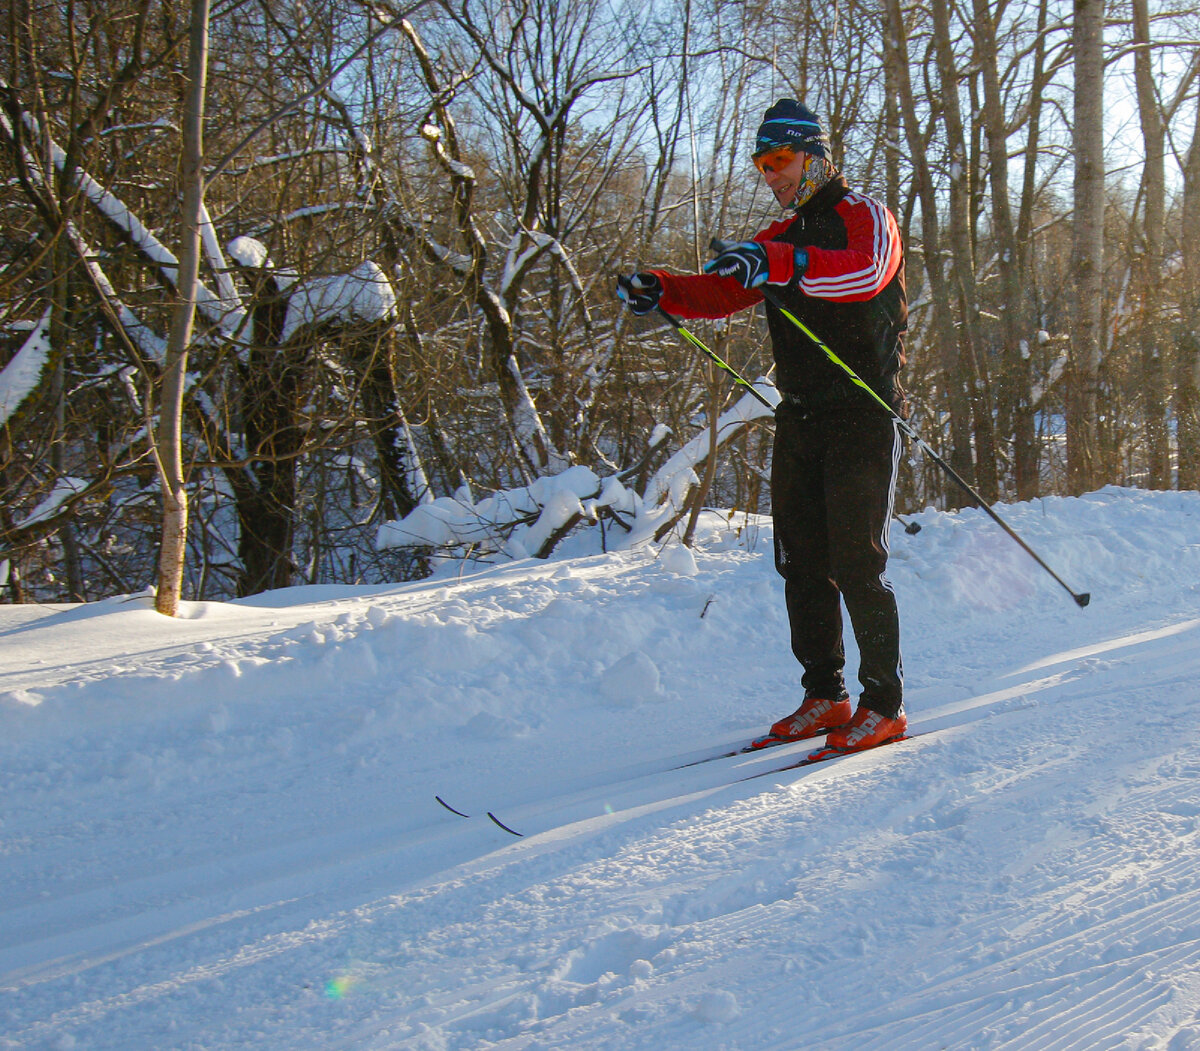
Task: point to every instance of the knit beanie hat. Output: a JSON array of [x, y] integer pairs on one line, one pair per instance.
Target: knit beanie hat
[[791, 123]]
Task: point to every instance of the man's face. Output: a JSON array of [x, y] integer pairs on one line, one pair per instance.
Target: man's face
[[784, 175]]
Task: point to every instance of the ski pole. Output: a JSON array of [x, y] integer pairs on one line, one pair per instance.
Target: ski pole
[[715, 357], [1081, 598], [909, 527]]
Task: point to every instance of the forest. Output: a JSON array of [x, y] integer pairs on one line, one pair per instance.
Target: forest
[[277, 274]]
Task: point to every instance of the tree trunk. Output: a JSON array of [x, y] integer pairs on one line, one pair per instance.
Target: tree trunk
[[962, 266], [170, 428], [1087, 249], [271, 385], [60, 336], [896, 53], [892, 133], [1187, 359], [1015, 382], [372, 358], [1149, 271], [273, 377]]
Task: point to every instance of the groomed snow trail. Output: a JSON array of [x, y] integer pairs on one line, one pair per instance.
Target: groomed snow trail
[[221, 832]]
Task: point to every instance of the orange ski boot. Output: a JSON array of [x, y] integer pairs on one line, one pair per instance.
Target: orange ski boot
[[866, 730], [815, 716]]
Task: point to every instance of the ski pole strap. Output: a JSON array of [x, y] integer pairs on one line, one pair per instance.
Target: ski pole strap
[[715, 358]]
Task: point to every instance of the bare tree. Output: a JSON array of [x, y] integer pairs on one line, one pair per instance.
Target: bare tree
[[960, 456], [962, 259], [1149, 260], [1088, 247], [169, 444], [1186, 398], [1016, 395]]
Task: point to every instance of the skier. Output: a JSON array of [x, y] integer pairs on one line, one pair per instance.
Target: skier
[[837, 264]]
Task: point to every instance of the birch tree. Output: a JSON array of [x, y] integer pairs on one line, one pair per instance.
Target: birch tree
[[169, 445]]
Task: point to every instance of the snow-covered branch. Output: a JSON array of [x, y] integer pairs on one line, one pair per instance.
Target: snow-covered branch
[[678, 473], [22, 375], [531, 520], [222, 312], [363, 295], [515, 523]]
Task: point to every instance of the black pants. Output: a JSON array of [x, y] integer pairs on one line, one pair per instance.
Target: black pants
[[833, 482]]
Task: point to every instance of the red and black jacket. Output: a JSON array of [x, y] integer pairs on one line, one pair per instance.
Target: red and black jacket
[[851, 295]]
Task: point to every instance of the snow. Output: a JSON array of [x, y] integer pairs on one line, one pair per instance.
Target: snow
[[432, 134], [143, 336], [20, 377], [216, 260], [362, 295], [65, 487], [220, 831], [516, 523], [248, 252]]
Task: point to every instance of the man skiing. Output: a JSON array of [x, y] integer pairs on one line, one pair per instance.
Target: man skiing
[[836, 264]]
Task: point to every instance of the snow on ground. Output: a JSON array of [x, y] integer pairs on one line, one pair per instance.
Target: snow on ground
[[221, 831]]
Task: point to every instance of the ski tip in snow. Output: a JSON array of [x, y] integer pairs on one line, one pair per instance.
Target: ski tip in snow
[[495, 819], [504, 826], [450, 808]]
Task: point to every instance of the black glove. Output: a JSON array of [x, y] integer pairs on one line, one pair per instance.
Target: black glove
[[745, 261], [640, 292]]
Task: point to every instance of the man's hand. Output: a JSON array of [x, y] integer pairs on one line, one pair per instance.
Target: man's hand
[[640, 292], [745, 261], [750, 262]]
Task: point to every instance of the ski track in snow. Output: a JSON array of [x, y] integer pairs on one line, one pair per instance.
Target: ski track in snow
[[220, 832]]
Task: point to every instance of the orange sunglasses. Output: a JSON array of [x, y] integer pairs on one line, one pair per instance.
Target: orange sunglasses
[[774, 159]]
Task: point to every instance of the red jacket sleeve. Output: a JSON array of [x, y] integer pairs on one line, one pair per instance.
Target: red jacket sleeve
[[704, 295], [869, 261], [857, 272]]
